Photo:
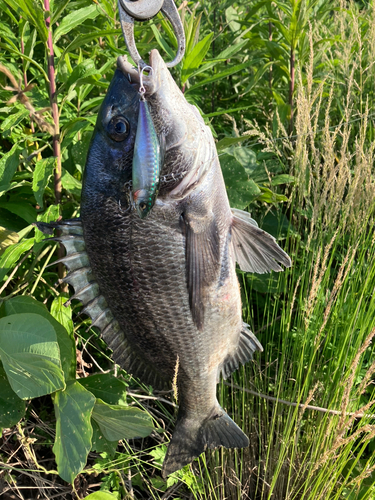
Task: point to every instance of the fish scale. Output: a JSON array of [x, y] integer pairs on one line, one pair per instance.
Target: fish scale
[[131, 267]]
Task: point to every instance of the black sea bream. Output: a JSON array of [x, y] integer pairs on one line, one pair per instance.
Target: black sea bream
[[163, 289]]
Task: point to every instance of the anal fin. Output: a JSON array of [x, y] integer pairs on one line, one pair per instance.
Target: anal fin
[[244, 352]]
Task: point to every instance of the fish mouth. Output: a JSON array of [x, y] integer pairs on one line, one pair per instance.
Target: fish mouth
[[150, 78]]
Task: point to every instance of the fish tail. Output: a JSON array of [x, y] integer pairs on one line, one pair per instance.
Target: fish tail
[[190, 440]]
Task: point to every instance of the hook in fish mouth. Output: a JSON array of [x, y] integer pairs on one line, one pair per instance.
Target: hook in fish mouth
[[150, 78]]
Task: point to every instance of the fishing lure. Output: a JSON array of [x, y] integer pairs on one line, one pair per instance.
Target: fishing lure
[[148, 157]]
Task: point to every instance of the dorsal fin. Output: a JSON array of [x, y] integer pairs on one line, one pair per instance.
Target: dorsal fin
[[82, 279]]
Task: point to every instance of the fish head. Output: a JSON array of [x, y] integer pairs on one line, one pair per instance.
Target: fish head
[[109, 160], [188, 141]]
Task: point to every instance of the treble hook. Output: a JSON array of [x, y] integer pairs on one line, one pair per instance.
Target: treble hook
[[143, 10]]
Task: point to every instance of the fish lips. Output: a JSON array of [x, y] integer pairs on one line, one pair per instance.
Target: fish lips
[[154, 81]]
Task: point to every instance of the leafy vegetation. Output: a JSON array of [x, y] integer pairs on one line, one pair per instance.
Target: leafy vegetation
[[287, 88]]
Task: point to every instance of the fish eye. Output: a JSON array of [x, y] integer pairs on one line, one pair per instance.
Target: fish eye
[[142, 205], [118, 128]]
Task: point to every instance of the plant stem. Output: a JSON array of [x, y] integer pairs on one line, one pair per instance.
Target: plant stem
[[291, 87], [270, 74], [55, 111], [56, 136]]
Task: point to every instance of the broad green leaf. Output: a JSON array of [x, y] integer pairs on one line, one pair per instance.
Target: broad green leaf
[[232, 18], [50, 215], [63, 324], [193, 60], [84, 38], [101, 495], [221, 74], [121, 422], [57, 7], [246, 156], [12, 408], [70, 183], [84, 72], [12, 254], [80, 149], [269, 196], [7, 238], [74, 19], [65, 337], [229, 141], [241, 190], [282, 179], [20, 208], [24, 304], [99, 443], [73, 408], [105, 386], [33, 11], [30, 354], [8, 166], [42, 174], [163, 44], [62, 313]]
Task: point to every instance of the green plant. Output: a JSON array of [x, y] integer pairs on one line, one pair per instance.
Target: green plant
[[38, 357]]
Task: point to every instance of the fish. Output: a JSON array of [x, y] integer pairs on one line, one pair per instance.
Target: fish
[[147, 161], [163, 289]]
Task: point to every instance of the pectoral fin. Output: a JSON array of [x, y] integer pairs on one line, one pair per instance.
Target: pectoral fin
[[202, 262], [255, 250]]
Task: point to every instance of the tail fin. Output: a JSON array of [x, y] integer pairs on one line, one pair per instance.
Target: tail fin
[[190, 439]]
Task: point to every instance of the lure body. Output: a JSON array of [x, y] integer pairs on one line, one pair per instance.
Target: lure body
[[147, 162]]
